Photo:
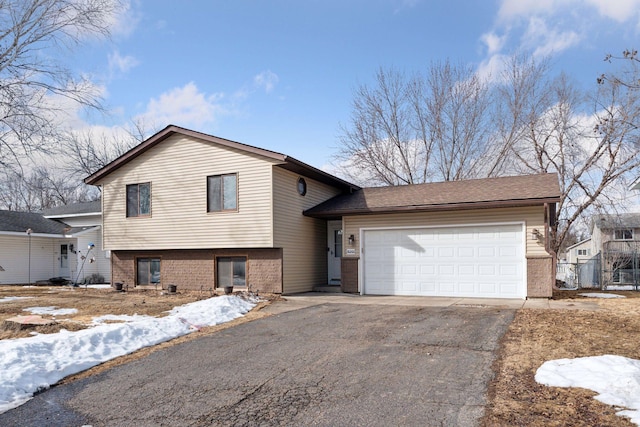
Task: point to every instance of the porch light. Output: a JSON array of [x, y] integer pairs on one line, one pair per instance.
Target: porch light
[[535, 234], [352, 239]]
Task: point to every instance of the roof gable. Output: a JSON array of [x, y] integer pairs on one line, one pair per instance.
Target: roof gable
[[628, 220], [286, 162], [488, 192]]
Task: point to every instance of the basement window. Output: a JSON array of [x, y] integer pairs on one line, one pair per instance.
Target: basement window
[[231, 271]]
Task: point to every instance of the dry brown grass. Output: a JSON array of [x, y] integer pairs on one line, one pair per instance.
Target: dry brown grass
[[536, 336], [91, 303]]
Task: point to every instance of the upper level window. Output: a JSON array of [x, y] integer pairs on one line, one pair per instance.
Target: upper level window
[[139, 199], [583, 252], [623, 234], [222, 193]]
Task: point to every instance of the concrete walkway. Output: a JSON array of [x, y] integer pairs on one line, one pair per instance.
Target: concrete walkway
[[309, 299]]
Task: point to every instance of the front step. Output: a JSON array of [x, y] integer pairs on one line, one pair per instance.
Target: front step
[[328, 288]]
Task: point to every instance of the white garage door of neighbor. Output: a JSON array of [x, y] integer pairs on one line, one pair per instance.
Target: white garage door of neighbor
[[476, 261]]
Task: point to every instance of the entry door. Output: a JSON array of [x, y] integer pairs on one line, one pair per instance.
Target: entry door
[[64, 260], [334, 253]]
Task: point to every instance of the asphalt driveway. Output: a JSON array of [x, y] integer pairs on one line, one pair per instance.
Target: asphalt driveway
[[324, 365]]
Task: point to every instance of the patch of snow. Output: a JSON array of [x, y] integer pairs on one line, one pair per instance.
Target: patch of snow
[[119, 318], [35, 363], [615, 378], [7, 299], [620, 287], [601, 295], [51, 310], [102, 286]]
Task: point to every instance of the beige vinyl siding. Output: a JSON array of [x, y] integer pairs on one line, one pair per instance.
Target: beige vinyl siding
[[177, 169], [533, 217], [14, 259], [303, 239]]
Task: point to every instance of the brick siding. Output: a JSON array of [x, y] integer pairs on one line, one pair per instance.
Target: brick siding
[[195, 269], [540, 277], [349, 272]]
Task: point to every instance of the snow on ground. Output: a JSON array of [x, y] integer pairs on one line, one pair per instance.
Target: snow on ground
[[616, 378], [7, 299], [28, 365], [51, 310], [601, 295]]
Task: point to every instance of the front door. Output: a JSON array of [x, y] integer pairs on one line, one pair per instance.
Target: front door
[[64, 260], [334, 252]]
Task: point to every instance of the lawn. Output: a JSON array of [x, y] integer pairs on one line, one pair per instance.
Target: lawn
[[536, 336]]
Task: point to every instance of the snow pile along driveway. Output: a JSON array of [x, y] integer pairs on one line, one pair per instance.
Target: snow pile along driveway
[[616, 378], [28, 365]]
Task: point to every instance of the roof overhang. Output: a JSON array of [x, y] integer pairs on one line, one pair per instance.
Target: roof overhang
[[333, 214]]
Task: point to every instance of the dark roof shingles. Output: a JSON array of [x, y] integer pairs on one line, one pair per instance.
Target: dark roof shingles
[[424, 196], [21, 221]]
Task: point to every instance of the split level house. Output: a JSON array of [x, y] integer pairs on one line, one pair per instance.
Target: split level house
[[63, 242], [202, 212]]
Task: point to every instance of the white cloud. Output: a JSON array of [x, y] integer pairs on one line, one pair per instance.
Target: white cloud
[[544, 41], [493, 41], [618, 10], [492, 67], [510, 9], [121, 64], [125, 20], [185, 106], [266, 80]]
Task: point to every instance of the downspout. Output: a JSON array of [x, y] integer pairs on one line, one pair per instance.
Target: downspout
[[550, 220]]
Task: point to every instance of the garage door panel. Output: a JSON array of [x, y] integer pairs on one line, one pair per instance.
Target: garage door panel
[[483, 261]]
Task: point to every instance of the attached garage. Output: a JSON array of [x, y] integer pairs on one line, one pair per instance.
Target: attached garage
[[485, 238], [463, 261]]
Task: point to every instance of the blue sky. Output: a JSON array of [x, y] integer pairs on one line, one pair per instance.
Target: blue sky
[[280, 74]]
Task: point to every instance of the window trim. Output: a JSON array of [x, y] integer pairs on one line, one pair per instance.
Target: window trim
[[232, 257], [147, 257], [301, 186], [139, 215], [622, 232], [222, 209]]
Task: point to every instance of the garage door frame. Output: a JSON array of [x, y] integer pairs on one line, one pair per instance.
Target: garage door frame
[[523, 230]]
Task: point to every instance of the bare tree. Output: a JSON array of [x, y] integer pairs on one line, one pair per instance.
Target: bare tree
[[437, 127], [41, 188], [409, 130], [453, 106], [88, 151], [32, 34], [379, 140], [628, 76]]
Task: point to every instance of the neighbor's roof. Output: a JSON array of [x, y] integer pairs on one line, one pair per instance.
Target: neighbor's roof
[[288, 162], [74, 209], [21, 221], [630, 220], [490, 192]]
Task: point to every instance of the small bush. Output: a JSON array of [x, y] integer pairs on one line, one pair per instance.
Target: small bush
[[95, 278]]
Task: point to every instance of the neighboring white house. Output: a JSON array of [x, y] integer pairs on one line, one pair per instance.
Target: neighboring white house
[[580, 251], [36, 247], [85, 220]]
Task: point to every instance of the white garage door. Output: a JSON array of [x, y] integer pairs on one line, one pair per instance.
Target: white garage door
[[481, 261]]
